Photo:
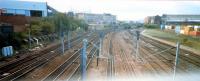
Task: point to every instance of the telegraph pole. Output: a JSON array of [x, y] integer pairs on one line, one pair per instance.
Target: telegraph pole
[[101, 35], [84, 60], [98, 57], [100, 46], [29, 35], [137, 44], [68, 38], [176, 59], [62, 39]]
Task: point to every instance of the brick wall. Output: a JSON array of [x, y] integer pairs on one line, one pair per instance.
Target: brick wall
[[18, 21]]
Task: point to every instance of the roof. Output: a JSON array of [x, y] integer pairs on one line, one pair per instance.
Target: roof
[[95, 14], [181, 18], [25, 5]]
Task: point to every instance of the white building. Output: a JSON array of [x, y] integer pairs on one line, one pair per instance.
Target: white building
[[96, 20]]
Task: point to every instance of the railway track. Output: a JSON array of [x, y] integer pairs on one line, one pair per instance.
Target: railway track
[[153, 65], [165, 60], [168, 56], [76, 75], [127, 64], [158, 65], [66, 65], [110, 69], [191, 58], [21, 69], [32, 56]]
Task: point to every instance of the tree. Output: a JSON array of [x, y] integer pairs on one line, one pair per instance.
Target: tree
[[47, 28], [35, 27], [125, 25], [57, 23]]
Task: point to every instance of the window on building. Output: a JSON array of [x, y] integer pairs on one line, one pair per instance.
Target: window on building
[[36, 13], [11, 11], [20, 12]]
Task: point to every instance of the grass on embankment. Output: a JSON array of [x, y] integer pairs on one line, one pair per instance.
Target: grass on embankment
[[193, 42]]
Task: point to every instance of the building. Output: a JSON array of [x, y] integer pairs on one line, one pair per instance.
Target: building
[[183, 24], [17, 14], [17, 23], [70, 14], [147, 20], [33, 9], [15, 17], [97, 20], [153, 20], [109, 19], [157, 20]]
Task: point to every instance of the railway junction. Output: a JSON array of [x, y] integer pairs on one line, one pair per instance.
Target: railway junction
[[106, 55]]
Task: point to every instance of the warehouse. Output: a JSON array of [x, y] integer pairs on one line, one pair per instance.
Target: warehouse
[[19, 13], [183, 24], [33, 9]]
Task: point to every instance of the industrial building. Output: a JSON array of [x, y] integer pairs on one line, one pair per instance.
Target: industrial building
[[153, 20], [33, 9], [17, 14], [15, 17], [183, 24]]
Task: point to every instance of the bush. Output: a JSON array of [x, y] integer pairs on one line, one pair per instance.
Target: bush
[[151, 26]]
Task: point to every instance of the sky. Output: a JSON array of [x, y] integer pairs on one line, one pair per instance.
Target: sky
[[127, 9]]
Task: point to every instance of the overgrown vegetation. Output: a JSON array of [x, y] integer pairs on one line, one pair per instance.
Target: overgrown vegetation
[[54, 24], [124, 25]]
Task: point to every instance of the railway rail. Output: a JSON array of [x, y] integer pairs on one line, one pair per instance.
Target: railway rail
[[165, 60], [19, 69], [191, 58], [76, 75], [110, 69], [59, 71]]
